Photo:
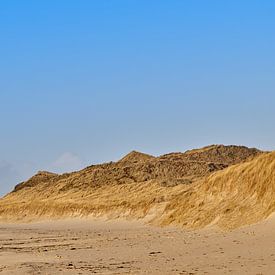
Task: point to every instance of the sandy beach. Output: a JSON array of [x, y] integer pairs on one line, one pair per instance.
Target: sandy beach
[[128, 247]]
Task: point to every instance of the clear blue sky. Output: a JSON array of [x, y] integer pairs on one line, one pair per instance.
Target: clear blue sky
[[87, 81]]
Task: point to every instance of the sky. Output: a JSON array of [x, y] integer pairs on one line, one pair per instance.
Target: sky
[[84, 82]]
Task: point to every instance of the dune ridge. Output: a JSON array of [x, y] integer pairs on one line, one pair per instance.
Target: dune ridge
[[229, 186]]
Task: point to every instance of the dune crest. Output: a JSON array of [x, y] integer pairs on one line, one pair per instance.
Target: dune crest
[[135, 157]]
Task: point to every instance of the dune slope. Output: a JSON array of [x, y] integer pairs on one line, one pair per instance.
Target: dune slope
[[239, 195]]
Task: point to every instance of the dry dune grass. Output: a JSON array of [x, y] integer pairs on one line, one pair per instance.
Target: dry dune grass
[[127, 200], [239, 195], [138, 186]]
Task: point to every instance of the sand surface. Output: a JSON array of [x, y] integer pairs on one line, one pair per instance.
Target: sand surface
[[126, 247]]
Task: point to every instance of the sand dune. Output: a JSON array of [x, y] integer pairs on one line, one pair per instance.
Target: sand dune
[[229, 186]]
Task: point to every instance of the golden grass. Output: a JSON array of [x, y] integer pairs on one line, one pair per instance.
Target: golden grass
[[126, 200], [239, 195]]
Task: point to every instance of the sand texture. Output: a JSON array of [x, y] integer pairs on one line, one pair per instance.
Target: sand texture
[[120, 247]]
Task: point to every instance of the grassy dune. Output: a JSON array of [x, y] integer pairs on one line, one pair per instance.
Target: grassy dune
[[238, 195]]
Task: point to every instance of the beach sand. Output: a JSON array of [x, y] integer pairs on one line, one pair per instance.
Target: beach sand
[[79, 246]]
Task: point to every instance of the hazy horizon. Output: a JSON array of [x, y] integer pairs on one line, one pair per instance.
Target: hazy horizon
[[87, 82]]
